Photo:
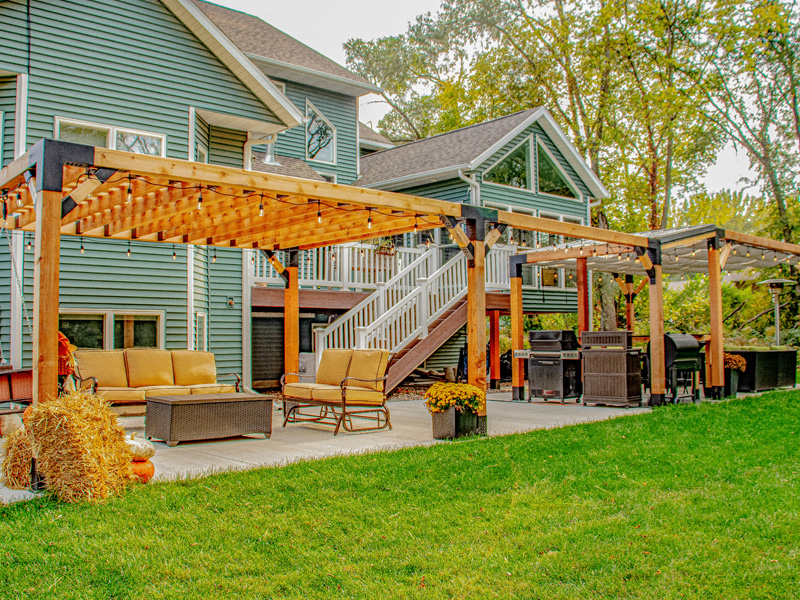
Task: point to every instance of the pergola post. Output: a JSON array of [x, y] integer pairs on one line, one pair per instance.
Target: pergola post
[[46, 268], [476, 309], [652, 264], [494, 349], [584, 308], [629, 297], [517, 334], [291, 316], [715, 347]]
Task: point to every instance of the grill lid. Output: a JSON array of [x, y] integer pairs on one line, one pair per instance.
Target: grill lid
[[680, 347], [556, 340]]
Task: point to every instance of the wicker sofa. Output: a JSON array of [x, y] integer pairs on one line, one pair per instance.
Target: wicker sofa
[[349, 385], [128, 377]]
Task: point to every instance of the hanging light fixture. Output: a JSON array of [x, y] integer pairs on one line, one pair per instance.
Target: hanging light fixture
[[415, 224], [369, 220], [128, 253], [129, 197], [214, 258], [319, 213], [28, 245], [174, 253], [200, 199], [261, 208], [82, 248]]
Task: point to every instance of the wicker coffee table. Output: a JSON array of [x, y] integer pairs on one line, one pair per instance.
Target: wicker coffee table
[[207, 416]]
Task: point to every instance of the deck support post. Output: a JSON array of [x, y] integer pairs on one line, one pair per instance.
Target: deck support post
[[584, 308], [494, 349], [291, 316], [476, 310], [46, 269], [658, 371], [714, 354], [517, 334], [629, 298]]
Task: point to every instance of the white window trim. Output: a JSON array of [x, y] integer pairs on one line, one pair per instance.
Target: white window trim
[[204, 316], [111, 132], [310, 105], [2, 136], [281, 85], [528, 138], [334, 177], [564, 174], [202, 154], [108, 321]]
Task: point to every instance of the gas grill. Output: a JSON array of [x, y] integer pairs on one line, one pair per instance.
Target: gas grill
[[554, 365]]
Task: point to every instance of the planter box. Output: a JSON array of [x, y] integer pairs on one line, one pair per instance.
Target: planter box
[[731, 382], [767, 369], [451, 424]]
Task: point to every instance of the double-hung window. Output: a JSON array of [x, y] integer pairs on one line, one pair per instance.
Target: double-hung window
[[109, 136]]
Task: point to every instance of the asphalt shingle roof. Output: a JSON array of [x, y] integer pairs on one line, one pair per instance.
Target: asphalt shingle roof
[[451, 149], [365, 132], [254, 36], [293, 167]]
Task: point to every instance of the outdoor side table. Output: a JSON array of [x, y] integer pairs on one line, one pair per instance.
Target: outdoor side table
[[207, 416]]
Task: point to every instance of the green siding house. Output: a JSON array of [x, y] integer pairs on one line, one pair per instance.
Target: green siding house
[[195, 81]]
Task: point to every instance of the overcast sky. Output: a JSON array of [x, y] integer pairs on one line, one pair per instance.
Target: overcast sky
[[325, 25]]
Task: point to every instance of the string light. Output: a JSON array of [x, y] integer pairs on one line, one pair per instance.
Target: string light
[[415, 224], [200, 199], [129, 197], [261, 209], [763, 255], [693, 251], [581, 252], [369, 220], [775, 258], [4, 193], [748, 253], [128, 253], [19, 200], [428, 241], [82, 248], [214, 258], [28, 245], [174, 253], [319, 216]]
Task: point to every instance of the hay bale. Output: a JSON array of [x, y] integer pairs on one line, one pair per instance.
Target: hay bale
[[80, 447], [9, 424], [16, 467]]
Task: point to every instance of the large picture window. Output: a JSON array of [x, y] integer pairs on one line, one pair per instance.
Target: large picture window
[[108, 136], [551, 180], [109, 330], [320, 136], [513, 170]]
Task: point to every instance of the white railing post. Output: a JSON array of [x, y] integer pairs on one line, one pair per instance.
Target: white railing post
[[361, 338], [344, 268], [423, 305], [381, 298], [319, 334]]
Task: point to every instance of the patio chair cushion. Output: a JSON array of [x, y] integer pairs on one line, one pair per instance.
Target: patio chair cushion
[[164, 390], [302, 390], [333, 393], [333, 366], [193, 367], [212, 388], [121, 395], [368, 364], [107, 366], [149, 367]]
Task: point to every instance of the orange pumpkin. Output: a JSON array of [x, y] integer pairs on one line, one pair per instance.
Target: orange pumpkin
[[143, 470]]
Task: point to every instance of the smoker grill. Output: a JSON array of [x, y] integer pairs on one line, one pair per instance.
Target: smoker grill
[[554, 365], [682, 362], [612, 370]]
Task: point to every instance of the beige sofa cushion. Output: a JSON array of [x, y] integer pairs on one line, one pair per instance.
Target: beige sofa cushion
[[193, 367], [107, 366], [164, 390], [333, 366], [331, 393], [301, 391], [212, 388], [148, 367], [121, 395], [368, 364]]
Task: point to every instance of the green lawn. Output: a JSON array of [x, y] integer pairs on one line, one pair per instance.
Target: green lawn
[[688, 501]]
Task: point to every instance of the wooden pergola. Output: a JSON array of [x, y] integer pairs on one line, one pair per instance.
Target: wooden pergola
[[59, 188], [700, 249]]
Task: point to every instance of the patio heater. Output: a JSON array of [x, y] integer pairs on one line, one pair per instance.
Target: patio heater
[[776, 287]]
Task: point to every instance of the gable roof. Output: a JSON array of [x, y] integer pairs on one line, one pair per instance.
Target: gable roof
[[280, 54], [369, 138], [441, 156], [233, 58], [293, 167]]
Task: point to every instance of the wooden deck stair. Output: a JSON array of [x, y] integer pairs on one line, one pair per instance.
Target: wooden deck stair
[[412, 356]]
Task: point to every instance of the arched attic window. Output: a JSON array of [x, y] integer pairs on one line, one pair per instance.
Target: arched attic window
[[320, 136]]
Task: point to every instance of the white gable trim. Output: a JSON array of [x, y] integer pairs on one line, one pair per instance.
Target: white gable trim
[[233, 58], [570, 152]]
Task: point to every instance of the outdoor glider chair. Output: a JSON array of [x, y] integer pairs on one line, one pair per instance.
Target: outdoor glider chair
[[350, 384]]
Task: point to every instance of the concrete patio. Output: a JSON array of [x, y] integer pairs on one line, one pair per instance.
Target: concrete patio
[[411, 427]]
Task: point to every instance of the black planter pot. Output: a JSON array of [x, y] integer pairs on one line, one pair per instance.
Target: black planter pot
[[453, 424], [731, 382]]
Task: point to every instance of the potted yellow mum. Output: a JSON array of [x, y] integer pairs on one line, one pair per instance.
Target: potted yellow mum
[[454, 408]]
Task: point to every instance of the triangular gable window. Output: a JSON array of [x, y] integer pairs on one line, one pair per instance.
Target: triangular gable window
[[551, 180], [513, 170], [320, 136]]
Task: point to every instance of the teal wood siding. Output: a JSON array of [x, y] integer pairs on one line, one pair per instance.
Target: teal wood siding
[[549, 301], [6, 281], [226, 146], [202, 135], [128, 63], [451, 190], [447, 354], [341, 112], [224, 321], [8, 107], [510, 196]]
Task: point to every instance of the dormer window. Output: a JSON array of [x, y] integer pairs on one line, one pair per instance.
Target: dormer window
[[320, 136]]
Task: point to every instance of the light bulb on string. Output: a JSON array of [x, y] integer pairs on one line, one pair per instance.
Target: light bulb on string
[[775, 258], [129, 196], [261, 209], [174, 253], [319, 213], [19, 200], [763, 255], [415, 225], [369, 220], [748, 253], [581, 252], [28, 245], [82, 249], [200, 199], [214, 258], [128, 253]]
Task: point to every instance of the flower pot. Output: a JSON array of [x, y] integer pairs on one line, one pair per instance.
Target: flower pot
[[451, 424], [731, 382]]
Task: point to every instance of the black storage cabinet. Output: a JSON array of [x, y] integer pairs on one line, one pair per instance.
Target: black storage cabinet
[[612, 370], [554, 366]]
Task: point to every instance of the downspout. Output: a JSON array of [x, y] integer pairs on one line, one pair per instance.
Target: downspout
[[475, 189], [248, 149]]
